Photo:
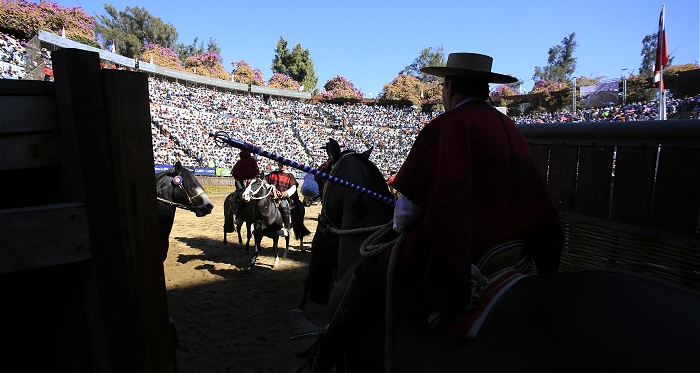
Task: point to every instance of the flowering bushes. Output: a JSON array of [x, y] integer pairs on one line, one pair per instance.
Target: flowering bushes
[[545, 88], [403, 87], [246, 75], [341, 88], [283, 81], [207, 64], [27, 18], [432, 93], [161, 56]]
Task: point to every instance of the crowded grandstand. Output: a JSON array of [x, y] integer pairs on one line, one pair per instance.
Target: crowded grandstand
[[183, 114]]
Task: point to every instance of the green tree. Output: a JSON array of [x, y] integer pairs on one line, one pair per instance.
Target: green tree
[[646, 69], [427, 57], [296, 64], [403, 87], [133, 28], [185, 51], [561, 63]]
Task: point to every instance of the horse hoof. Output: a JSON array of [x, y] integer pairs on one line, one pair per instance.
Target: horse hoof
[[277, 260]]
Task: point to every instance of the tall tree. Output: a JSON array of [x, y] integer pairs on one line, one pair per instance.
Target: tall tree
[[561, 63], [297, 64], [133, 28], [646, 69], [427, 57], [185, 51], [403, 87]]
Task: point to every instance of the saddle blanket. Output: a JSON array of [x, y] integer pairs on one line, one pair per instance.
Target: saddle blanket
[[469, 325]]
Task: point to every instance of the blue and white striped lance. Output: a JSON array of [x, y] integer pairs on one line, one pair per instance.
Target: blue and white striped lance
[[223, 138]]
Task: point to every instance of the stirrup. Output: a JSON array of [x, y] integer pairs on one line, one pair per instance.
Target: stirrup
[[238, 221], [283, 232]]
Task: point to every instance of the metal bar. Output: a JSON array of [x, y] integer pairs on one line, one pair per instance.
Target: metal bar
[[685, 129], [222, 137]]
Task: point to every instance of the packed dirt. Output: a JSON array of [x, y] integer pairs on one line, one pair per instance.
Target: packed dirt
[[229, 318]]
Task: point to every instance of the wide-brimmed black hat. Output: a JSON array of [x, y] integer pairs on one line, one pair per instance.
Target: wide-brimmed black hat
[[469, 64]]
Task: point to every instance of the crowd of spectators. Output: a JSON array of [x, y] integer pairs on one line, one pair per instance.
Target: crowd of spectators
[[638, 111], [12, 54], [183, 116]]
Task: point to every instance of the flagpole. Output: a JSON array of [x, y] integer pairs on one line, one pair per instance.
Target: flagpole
[[660, 47]]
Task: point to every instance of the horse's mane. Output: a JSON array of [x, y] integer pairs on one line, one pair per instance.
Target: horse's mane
[[376, 174]]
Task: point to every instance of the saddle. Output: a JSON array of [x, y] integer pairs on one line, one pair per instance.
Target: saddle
[[501, 267]]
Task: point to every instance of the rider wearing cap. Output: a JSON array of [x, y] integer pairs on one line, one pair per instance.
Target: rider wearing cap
[[285, 184]]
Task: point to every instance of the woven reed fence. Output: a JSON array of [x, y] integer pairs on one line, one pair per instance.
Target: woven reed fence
[[628, 194]]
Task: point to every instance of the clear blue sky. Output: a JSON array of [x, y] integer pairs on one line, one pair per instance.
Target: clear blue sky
[[369, 42]]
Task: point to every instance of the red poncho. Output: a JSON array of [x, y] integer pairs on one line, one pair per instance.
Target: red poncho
[[475, 194]]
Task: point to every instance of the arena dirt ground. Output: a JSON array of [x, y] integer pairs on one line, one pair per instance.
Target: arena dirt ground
[[229, 318]]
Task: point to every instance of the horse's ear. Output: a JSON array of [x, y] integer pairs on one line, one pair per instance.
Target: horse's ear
[[333, 149], [177, 168], [367, 152]]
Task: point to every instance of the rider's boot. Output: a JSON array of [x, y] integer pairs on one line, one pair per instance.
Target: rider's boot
[[344, 320], [287, 221]]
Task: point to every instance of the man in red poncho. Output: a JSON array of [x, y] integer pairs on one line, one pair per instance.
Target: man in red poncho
[[243, 171], [469, 183]]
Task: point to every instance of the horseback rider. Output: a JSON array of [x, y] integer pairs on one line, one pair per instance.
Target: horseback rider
[[285, 184], [245, 169], [469, 183]]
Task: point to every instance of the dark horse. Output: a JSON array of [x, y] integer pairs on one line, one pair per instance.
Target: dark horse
[[178, 188], [587, 321], [231, 206], [268, 220]]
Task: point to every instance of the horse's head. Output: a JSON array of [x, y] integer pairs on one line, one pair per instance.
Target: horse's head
[[259, 192], [178, 187]]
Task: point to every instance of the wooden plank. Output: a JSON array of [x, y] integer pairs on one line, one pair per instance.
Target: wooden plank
[[562, 175], [28, 150], [80, 98], [26, 88], [28, 113], [676, 204], [42, 236], [633, 185], [128, 116], [594, 181]]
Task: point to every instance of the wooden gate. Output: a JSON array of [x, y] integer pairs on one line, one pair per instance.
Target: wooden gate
[[81, 280]]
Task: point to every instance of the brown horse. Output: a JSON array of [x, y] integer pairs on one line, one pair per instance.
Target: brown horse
[[586, 321]]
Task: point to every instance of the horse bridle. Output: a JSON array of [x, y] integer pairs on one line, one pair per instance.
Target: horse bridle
[[190, 206], [249, 194]]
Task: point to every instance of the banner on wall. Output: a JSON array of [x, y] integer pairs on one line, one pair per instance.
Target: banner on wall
[[204, 171]]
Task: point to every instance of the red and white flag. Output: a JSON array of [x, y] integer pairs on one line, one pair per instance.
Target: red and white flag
[[661, 52]]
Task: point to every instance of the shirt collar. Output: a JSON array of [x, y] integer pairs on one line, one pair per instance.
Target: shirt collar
[[468, 99]]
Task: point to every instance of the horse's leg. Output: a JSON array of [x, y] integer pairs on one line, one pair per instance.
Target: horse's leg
[[257, 240], [275, 241], [286, 247], [225, 243], [238, 230], [248, 233]]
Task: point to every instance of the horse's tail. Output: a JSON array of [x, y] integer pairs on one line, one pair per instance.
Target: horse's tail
[[299, 229], [228, 215], [324, 259]]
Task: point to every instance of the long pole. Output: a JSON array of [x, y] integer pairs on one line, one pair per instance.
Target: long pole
[[624, 86], [223, 138], [659, 56]]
